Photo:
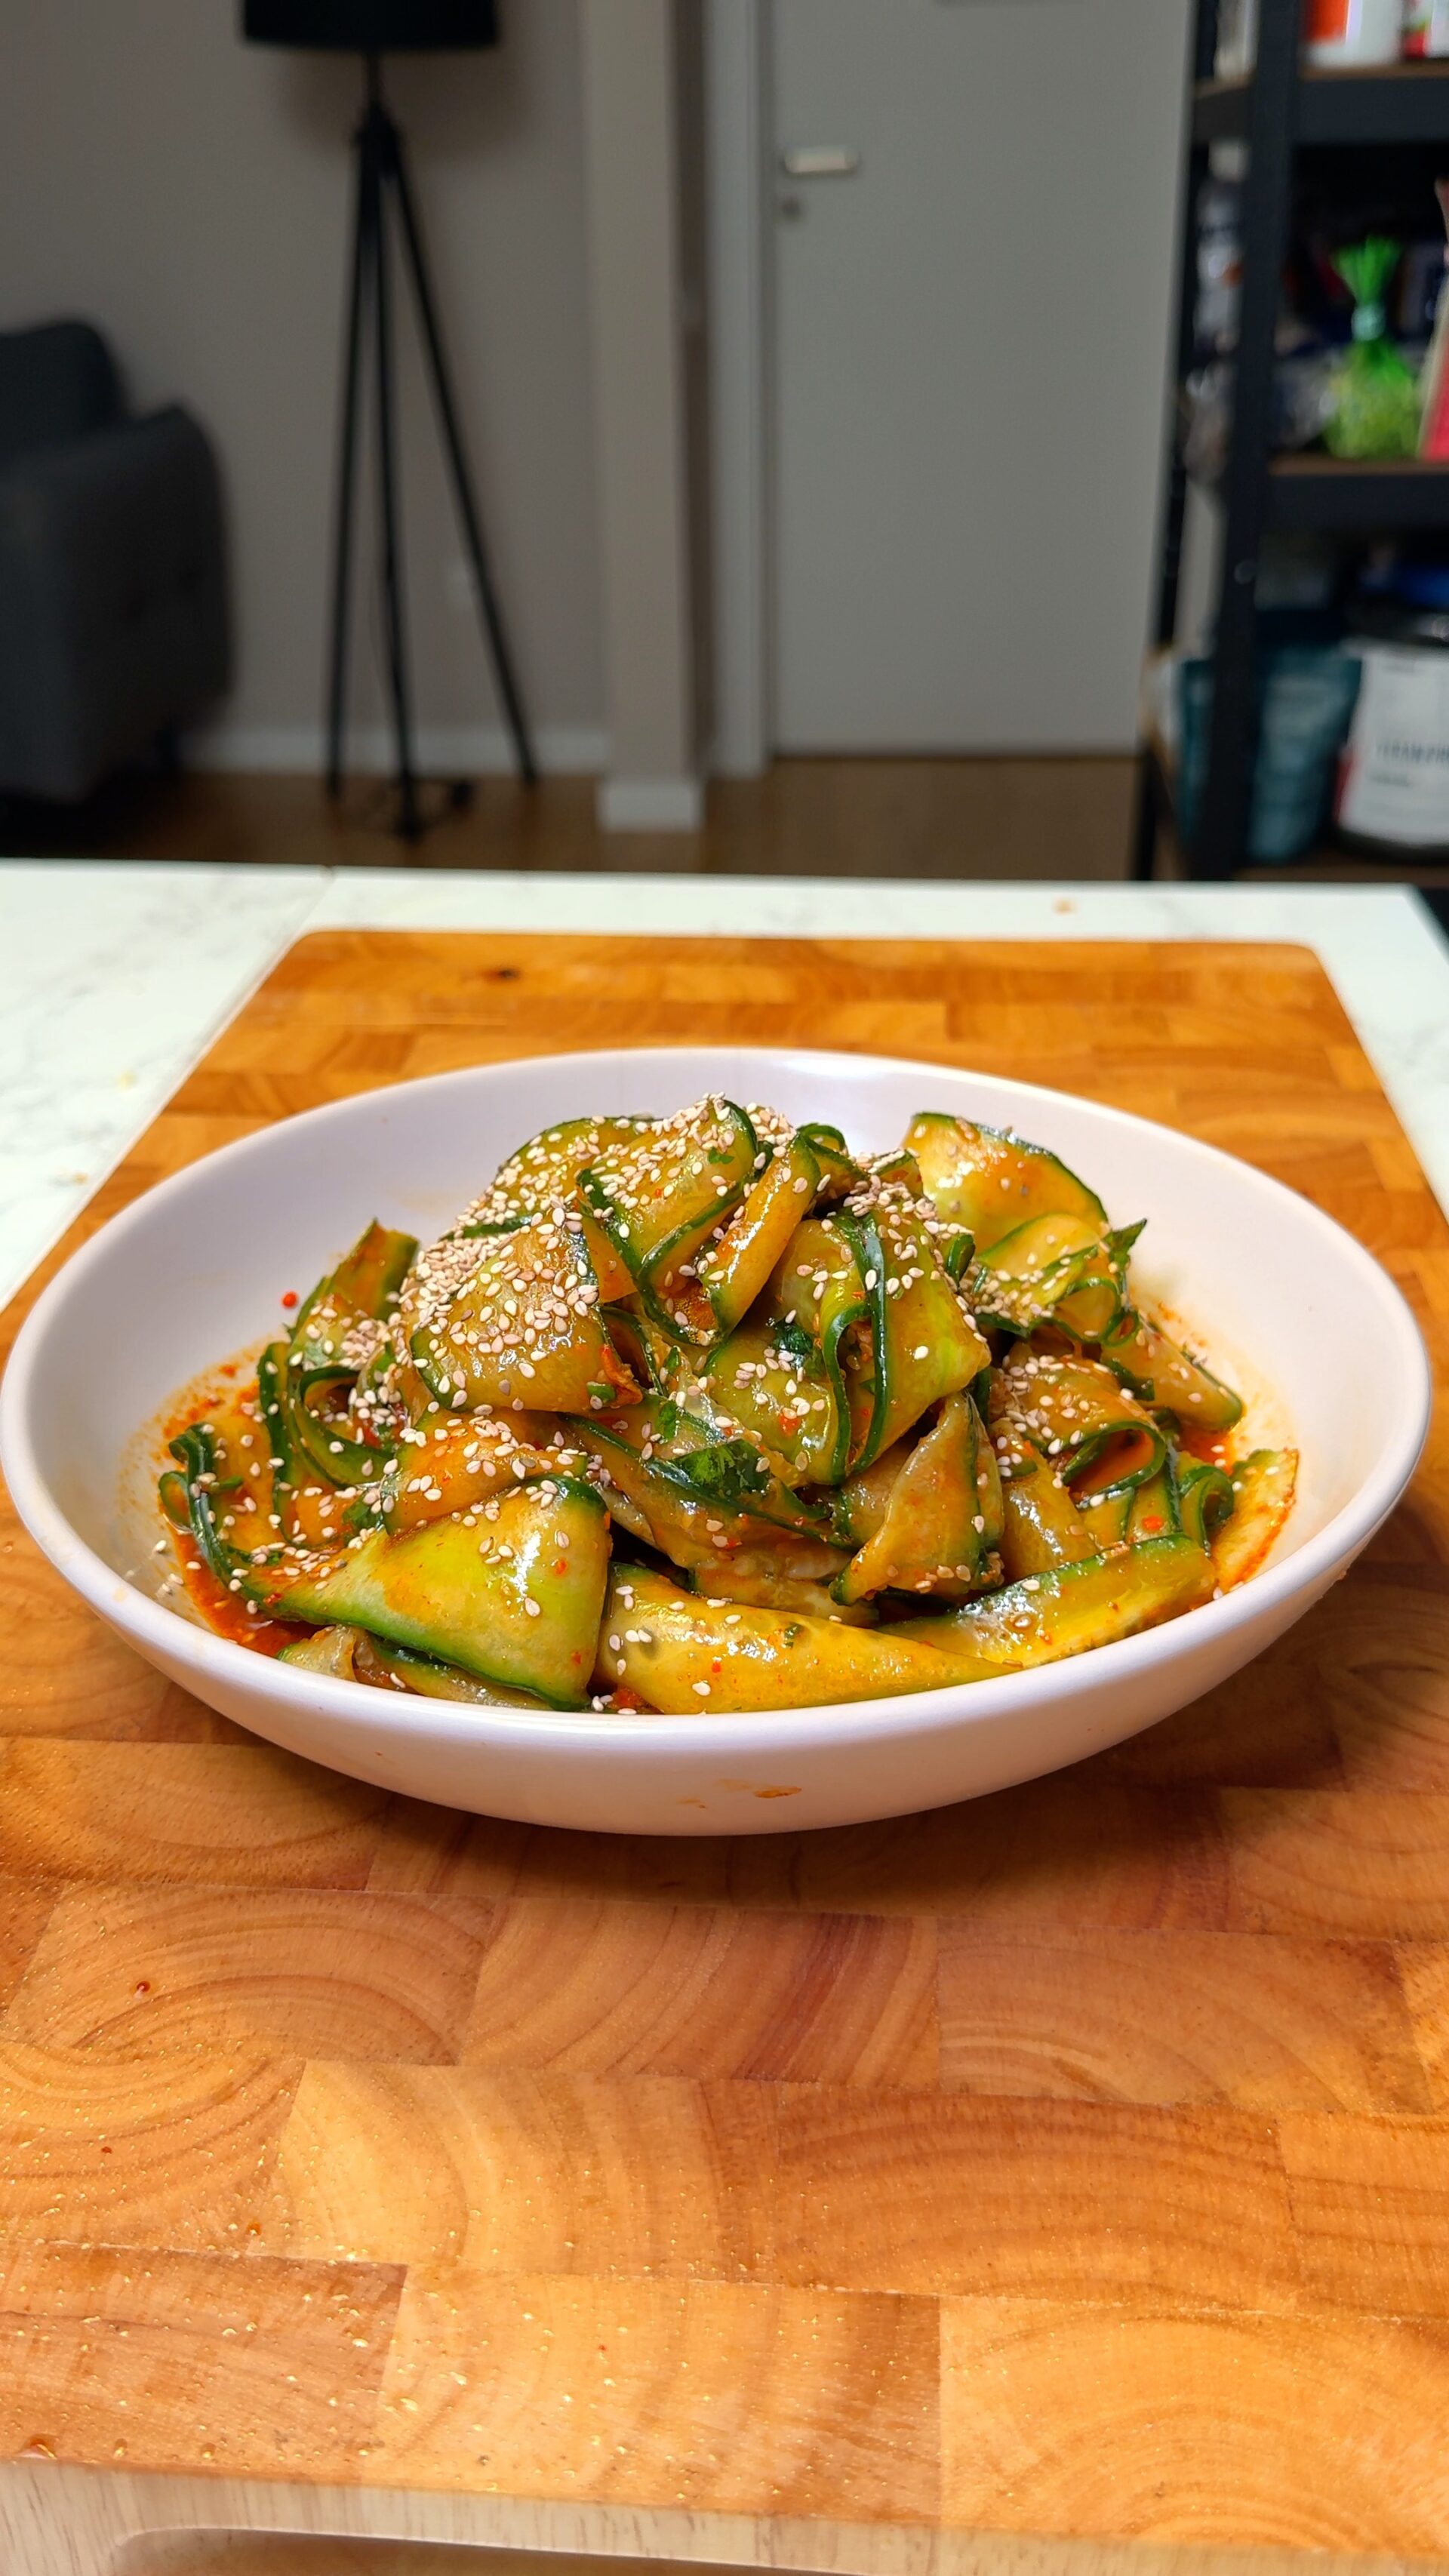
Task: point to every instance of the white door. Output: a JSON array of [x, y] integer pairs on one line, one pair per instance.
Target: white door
[[970, 365]]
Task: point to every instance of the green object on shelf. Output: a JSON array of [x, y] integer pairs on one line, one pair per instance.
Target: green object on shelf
[[1375, 391]]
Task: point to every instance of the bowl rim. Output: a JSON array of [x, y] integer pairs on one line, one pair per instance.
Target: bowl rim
[[175, 1638]]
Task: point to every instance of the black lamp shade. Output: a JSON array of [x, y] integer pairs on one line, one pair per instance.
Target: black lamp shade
[[372, 26]]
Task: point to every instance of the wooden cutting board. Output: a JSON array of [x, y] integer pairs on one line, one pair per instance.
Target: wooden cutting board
[[1071, 2163]]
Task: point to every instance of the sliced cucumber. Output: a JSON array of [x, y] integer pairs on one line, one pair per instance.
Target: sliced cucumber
[[731, 1271], [693, 1658], [839, 1171], [365, 1284], [326, 1650], [943, 1516], [525, 1327], [325, 1446], [859, 1506], [1041, 1525], [767, 1579], [399, 1668], [1204, 1496], [819, 1287], [923, 1343], [514, 1597], [1152, 1511], [660, 1196], [1166, 1376], [1263, 1490], [699, 1496], [773, 1380], [990, 1182], [1099, 1438], [1076, 1607], [546, 1171], [453, 1460]]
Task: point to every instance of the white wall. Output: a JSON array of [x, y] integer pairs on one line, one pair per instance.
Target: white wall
[[191, 195]]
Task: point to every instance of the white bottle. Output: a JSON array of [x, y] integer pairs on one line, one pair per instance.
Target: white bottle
[[1342, 33]]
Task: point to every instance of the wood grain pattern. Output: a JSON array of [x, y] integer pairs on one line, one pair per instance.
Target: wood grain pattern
[[1072, 2162]]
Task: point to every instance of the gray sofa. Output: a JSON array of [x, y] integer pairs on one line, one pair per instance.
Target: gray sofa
[[114, 626]]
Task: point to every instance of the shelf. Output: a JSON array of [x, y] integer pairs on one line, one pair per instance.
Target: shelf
[[1337, 498], [1332, 496], [1331, 862], [1400, 103]]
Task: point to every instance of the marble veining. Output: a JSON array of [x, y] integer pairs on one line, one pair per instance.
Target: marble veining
[[114, 976], [112, 981]]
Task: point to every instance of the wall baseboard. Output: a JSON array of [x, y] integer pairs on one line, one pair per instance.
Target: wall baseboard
[[650, 804], [467, 751]]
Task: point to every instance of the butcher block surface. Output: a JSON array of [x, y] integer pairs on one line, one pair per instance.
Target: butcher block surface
[[1075, 2162]]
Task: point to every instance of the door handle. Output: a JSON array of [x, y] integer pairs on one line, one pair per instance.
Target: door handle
[[819, 161]]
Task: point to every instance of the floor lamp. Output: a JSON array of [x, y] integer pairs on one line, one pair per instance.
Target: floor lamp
[[370, 28]]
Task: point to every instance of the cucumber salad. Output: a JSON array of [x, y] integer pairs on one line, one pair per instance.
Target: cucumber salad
[[708, 1414]]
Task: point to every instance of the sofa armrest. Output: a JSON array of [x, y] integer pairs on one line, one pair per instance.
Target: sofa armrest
[[113, 613]]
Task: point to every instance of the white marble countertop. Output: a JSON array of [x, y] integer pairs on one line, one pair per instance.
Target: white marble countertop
[[116, 975]]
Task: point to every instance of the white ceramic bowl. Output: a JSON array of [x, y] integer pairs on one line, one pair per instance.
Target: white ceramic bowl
[[194, 1271]]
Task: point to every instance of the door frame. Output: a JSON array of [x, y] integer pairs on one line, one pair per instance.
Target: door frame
[[739, 152]]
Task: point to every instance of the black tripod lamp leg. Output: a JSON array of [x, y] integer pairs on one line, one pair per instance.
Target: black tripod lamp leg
[[504, 672], [409, 822], [364, 219]]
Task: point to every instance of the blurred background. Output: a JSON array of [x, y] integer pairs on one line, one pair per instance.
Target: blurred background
[[997, 438]]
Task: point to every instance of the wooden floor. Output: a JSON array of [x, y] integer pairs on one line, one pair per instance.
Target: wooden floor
[[839, 818]]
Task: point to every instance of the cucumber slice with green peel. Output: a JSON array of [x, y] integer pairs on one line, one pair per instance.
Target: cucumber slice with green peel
[[1263, 1490], [1105, 1517], [943, 1517], [767, 1580], [653, 1357], [401, 1668], [513, 1597], [1096, 1303], [325, 1650], [689, 1657], [858, 1507], [351, 1655], [612, 1274], [923, 1343], [1056, 1269], [990, 1182], [701, 1494], [819, 1287], [1152, 1511], [197, 1498], [1075, 1607], [1204, 1497], [1041, 1525], [731, 1271], [227, 1513], [772, 1379], [545, 1171], [365, 1284], [454, 1460], [524, 1327], [660, 1196], [285, 1458], [305, 1497], [839, 1171], [1025, 1276], [1168, 1378], [1035, 1248], [325, 1448], [1098, 1437]]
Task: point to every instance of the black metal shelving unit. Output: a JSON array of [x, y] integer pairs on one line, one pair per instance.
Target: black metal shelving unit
[[1282, 109]]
